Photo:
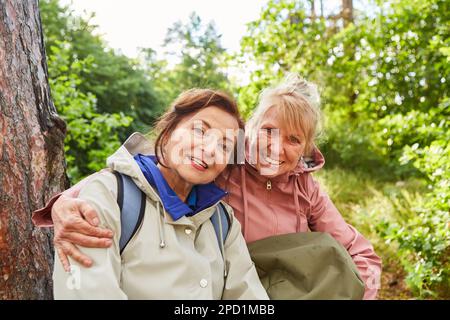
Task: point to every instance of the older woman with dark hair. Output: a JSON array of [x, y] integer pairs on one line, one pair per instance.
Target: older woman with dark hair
[[174, 250]]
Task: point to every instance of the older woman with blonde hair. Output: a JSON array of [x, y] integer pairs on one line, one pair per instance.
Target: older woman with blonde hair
[[274, 196]]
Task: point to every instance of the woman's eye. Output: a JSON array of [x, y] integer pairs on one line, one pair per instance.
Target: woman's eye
[[268, 131], [295, 140], [224, 147], [198, 131]]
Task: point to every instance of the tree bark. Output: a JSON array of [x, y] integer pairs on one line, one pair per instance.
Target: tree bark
[[31, 153], [313, 8], [347, 11]]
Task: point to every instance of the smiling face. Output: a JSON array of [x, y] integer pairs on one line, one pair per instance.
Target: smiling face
[[198, 149], [278, 148]]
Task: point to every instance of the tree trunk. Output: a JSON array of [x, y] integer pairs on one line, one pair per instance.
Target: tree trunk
[[313, 9], [31, 153], [347, 11]]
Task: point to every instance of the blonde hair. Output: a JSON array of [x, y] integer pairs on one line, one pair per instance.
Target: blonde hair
[[298, 105]]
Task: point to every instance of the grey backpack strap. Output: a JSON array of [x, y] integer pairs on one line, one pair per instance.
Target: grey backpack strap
[[222, 214], [131, 201]]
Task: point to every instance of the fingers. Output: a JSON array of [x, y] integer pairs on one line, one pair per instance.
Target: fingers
[[64, 260], [90, 227], [70, 214], [88, 213], [82, 226], [68, 249], [87, 241]]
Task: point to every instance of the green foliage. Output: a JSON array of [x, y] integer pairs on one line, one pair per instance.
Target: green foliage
[[420, 227], [397, 79], [283, 39], [91, 136], [117, 82], [424, 237], [196, 59]]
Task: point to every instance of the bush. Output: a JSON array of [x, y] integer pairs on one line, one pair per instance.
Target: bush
[[91, 136]]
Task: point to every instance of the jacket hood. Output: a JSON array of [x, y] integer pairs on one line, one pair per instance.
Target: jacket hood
[[122, 161]]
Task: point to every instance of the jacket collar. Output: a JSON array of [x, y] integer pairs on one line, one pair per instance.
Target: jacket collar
[[201, 197]]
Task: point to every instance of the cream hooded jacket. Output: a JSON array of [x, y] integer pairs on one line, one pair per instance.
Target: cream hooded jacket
[[191, 264]]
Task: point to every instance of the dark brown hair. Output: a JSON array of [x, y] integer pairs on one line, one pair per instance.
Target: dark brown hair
[[188, 103]]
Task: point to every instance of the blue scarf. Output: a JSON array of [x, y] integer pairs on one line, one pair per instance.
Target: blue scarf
[[201, 196]]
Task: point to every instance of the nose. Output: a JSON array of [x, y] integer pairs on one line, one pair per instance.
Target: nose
[[275, 146], [209, 146]]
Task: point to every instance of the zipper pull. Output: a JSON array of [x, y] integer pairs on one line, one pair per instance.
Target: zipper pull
[[269, 185]]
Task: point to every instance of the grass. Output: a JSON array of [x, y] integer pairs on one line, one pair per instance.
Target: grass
[[364, 200]]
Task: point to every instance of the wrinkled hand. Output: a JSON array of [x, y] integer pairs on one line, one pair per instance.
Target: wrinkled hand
[[76, 223]]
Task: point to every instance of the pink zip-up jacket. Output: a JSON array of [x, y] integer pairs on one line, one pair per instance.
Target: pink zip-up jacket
[[293, 202]]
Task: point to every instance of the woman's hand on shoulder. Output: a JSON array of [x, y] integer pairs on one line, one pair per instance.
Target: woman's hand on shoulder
[[76, 223]]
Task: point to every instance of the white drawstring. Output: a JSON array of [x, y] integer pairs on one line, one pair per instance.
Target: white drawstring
[[162, 244], [222, 249]]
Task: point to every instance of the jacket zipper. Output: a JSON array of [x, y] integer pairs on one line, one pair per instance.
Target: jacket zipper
[[274, 216]]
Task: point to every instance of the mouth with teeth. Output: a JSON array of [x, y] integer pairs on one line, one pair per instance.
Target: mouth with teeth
[[198, 164], [273, 162]]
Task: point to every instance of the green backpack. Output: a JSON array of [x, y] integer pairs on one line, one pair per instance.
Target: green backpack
[[306, 266]]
